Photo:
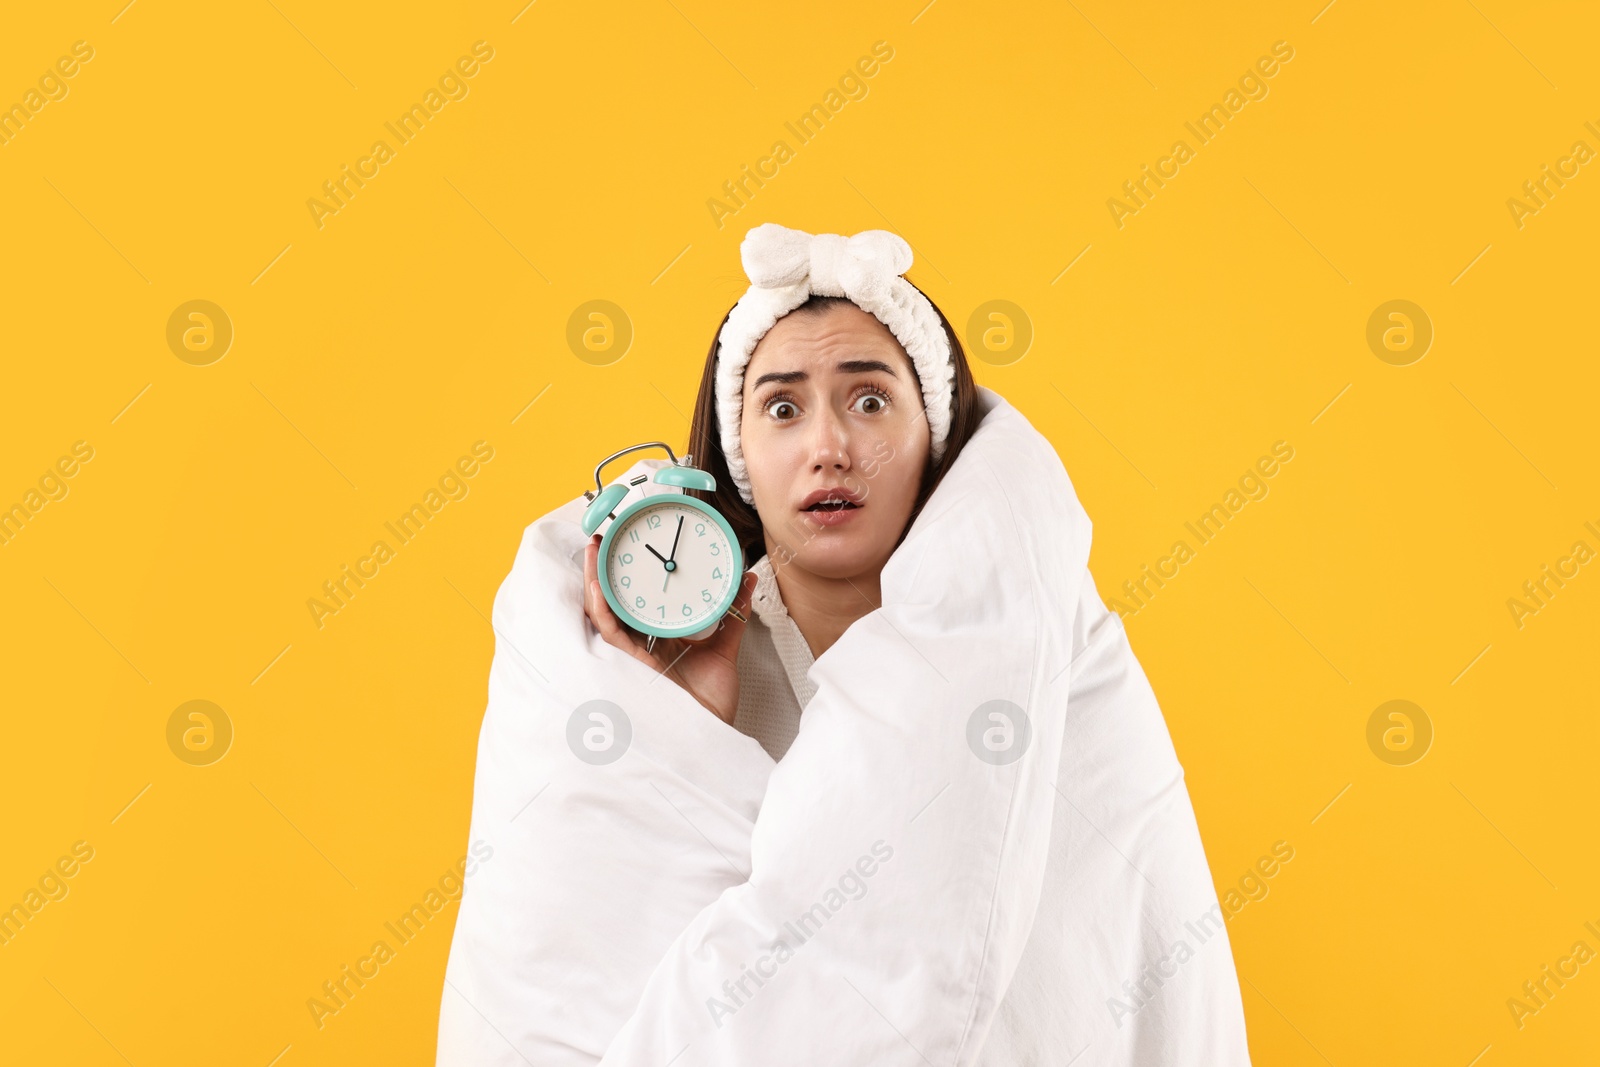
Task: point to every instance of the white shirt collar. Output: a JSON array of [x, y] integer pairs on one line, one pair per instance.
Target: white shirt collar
[[766, 599]]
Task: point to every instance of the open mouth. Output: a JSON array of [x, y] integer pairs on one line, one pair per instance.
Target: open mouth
[[832, 505]]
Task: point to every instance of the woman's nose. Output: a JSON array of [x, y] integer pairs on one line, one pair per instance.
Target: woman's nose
[[830, 445]]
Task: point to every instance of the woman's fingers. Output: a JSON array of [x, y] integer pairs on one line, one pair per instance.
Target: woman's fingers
[[594, 601], [600, 613], [588, 577], [606, 621], [591, 565]]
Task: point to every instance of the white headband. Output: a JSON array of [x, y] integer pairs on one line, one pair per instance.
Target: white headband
[[785, 267]]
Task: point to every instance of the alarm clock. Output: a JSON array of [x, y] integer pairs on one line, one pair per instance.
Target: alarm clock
[[669, 563]]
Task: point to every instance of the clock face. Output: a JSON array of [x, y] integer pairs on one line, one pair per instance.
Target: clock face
[[670, 568]]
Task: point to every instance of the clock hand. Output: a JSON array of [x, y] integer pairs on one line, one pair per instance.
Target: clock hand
[[668, 562], [675, 539]]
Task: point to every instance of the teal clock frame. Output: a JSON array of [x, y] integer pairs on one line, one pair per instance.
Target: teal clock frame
[[685, 475], [720, 605]]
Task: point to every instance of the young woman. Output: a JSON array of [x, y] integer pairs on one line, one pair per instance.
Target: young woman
[[827, 425]]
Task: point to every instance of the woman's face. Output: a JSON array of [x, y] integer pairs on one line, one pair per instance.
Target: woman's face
[[831, 403]]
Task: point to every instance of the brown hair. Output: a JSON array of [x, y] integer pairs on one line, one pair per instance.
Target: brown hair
[[705, 439]]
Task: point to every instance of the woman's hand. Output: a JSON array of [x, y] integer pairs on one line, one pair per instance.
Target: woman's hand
[[707, 669]]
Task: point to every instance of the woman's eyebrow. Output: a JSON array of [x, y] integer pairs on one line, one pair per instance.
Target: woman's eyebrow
[[849, 366]]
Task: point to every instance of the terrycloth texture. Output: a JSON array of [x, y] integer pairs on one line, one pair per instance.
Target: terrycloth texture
[[870, 899], [774, 661], [1099, 922], [787, 266]]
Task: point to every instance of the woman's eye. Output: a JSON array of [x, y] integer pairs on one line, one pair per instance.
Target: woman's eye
[[783, 409]]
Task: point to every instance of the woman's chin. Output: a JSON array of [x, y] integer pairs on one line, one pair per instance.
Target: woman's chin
[[836, 551]]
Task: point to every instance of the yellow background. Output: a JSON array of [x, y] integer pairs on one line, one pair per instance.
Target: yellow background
[[369, 354]]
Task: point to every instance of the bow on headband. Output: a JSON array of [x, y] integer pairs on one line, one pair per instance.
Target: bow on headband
[[775, 256], [786, 267]]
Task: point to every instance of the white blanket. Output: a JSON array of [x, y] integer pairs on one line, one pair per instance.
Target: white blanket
[[869, 899]]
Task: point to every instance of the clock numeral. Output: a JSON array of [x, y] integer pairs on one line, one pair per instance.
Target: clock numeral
[[716, 549], [700, 528], [633, 534], [686, 610], [716, 572], [627, 582], [638, 601], [705, 594], [627, 557], [653, 521], [663, 610]]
